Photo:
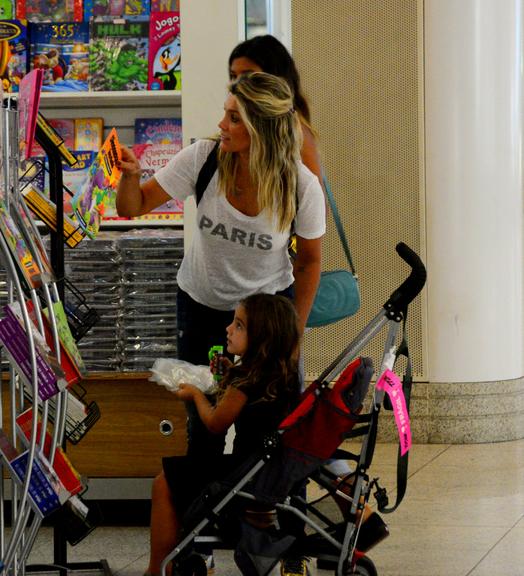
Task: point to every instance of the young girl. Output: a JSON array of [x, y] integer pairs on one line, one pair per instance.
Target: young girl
[[256, 394]]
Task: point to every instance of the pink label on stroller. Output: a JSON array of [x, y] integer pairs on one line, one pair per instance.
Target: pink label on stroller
[[390, 383]]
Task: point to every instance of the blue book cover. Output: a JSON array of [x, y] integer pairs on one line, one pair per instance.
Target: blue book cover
[[158, 131], [61, 50], [40, 488]]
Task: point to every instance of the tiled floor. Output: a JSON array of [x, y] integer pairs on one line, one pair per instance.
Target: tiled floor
[[463, 515]]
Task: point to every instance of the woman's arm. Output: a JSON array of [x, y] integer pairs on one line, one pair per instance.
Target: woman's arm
[[306, 269], [133, 199], [217, 419], [309, 153]]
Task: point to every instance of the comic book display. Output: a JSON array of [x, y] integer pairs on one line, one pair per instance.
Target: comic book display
[[118, 55]]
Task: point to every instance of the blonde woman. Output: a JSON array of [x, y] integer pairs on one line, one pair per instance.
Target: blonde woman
[[260, 193]]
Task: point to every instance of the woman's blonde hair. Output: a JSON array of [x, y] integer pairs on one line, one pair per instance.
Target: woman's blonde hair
[[265, 104]]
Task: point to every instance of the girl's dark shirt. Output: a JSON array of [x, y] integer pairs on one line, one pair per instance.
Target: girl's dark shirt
[[261, 416]]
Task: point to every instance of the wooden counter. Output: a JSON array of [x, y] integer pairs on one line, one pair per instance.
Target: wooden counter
[[126, 441]]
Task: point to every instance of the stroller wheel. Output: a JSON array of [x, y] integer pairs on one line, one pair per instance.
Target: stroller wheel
[[363, 567], [192, 565]]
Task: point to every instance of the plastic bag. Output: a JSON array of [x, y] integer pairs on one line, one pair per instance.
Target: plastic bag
[[171, 372]]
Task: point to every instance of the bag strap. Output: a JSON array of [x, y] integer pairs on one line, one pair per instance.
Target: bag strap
[[338, 223], [402, 461], [206, 173]]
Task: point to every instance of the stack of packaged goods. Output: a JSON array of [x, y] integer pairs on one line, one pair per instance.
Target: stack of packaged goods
[[150, 262], [95, 269]]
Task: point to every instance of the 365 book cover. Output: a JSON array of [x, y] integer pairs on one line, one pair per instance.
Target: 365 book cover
[[165, 72], [61, 50]]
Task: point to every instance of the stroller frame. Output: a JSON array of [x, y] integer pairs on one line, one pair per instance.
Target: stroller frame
[[341, 546]]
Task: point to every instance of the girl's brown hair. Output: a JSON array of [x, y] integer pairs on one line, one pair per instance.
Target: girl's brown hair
[[272, 346]]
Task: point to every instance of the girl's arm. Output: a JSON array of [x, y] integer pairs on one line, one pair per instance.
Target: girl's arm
[[306, 269], [217, 419], [133, 199]]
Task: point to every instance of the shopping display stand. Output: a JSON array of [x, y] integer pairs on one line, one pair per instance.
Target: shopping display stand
[[84, 320], [32, 441]]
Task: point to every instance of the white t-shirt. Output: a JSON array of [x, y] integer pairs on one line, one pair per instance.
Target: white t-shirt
[[233, 255]]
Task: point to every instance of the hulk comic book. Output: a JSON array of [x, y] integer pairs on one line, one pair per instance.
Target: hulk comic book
[[118, 53]]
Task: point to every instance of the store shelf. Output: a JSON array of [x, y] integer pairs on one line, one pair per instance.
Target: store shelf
[[127, 224], [65, 100]]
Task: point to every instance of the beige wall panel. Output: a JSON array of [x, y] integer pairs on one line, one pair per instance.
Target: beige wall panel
[[360, 65]]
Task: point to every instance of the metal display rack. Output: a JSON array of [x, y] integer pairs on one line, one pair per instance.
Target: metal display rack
[[30, 456]]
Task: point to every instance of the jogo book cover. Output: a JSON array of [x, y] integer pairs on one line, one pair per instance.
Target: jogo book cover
[[165, 72]]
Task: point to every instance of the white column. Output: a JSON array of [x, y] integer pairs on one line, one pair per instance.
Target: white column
[[473, 149], [209, 31]]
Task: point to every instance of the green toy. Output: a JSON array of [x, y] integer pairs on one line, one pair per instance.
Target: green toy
[[215, 354]]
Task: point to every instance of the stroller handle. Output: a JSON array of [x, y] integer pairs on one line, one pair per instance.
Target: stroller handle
[[412, 285]]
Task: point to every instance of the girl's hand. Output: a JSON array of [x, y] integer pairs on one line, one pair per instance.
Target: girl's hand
[[220, 364], [186, 392]]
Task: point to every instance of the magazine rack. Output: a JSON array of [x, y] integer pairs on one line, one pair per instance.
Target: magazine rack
[[41, 480]]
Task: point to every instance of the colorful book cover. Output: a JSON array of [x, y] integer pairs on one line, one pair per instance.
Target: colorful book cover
[[152, 157], [164, 72], [62, 52], [7, 9], [77, 133], [65, 128], [14, 49], [28, 102], [97, 196], [71, 362], [89, 134], [68, 476], [50, 10], [75, 176], [22, 256], [118, 53], [165, 6], [45, 490], [115, 8], [16, 344], [159, 131]]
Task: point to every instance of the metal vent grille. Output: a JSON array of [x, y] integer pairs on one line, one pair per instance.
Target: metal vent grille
[[359, 62]]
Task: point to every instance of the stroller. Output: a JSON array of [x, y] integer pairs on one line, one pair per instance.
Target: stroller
[[272, 483]]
